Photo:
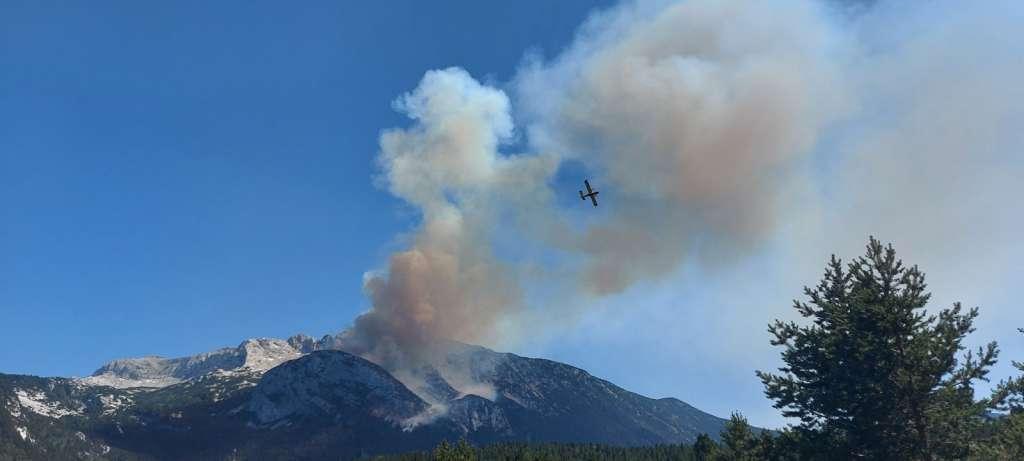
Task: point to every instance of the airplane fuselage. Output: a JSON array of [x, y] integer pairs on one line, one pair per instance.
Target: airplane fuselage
[[591, 193]]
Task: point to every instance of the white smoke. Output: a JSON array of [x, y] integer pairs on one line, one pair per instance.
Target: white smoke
[[715, 129]]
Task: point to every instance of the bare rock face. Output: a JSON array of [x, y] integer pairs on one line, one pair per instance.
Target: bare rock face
[[263, 354], [332, 385], [472, 414], [256, 355]]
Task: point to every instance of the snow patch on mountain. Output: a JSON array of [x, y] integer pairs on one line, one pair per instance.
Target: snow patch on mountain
[[14, 408], [36, 402], [120, 382], [23, 432], [114, 403]]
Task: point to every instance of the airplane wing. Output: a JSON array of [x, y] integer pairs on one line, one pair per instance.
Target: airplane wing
[[593, 197], [589, 190]]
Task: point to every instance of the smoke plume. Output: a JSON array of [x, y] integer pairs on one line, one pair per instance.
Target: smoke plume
[[448, 285], [705, 124]]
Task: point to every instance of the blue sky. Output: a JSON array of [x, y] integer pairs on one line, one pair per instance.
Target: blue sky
[[179, 177], [176, 178]]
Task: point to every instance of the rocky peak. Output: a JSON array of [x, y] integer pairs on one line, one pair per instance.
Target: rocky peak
[[257, 355], [265, 353], [332, 384]]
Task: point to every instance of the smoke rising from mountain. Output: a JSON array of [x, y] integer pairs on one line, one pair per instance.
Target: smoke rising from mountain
[[705, 123], [448, 285]]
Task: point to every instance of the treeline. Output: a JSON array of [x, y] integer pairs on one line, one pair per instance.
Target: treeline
[[462, 451], [868, 374]]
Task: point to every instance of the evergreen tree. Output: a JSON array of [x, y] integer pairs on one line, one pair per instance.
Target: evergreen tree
[[1005, 438], [521, 451], [705, 449], [740, 443], [462, 451], [874, 375], [772, 448], [443, 451], [1009, 394]]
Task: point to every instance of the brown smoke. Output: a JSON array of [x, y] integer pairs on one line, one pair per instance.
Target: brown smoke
[[689, 114], [448, 285], [444, 287], [697, 120], [695, 114]]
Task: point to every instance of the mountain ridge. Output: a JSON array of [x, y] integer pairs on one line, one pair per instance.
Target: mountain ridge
[[269, 394]]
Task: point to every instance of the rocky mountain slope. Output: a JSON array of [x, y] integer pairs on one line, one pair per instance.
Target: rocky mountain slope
[[303, 398]]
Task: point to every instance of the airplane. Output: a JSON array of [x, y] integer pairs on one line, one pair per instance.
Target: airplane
[[591, 193]]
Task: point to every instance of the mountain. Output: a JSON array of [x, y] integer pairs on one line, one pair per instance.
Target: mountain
[[254, 354], [304, 399]]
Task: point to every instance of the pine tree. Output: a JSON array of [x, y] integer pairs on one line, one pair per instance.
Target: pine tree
[[521, 451], [705, 449], [1005, 439], [874, 375], [443, 451], [739, 441], [768, 447], [1009, 394], [464, 451]]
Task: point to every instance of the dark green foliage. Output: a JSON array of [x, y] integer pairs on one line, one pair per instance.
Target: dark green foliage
[[741, 443], [442, 451], [462, 451], [774, 448], [1004, 438], [874, 375], [705, 449], [550, 452], [1009, 394], [738, 439]]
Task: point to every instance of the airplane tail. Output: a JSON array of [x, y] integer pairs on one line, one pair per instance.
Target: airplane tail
[[582, 197]]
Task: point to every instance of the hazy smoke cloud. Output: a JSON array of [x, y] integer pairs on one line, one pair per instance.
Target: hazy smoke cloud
[[934, 160], [693, 115], [705, 124]]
